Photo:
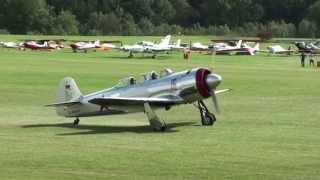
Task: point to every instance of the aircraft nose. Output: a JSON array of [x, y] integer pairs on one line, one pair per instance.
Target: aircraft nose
[[213, 80]]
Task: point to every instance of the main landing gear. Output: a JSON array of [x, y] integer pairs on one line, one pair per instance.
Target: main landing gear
[[76, 122], [207, 118], [155, 122]]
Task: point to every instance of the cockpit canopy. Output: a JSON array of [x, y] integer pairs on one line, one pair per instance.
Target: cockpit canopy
[[165, 72], [145, 43], [153, 75], [129, 81]]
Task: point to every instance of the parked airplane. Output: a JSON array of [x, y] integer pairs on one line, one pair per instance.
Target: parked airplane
[[277, 49], [170, 89], [197, 46], [308, 47], [33, 45], [148, 47], [85, 46], [244, 49], [9, 45], [45, 45]]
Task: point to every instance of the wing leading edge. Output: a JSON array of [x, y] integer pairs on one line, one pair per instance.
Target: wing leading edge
[[127, 101]]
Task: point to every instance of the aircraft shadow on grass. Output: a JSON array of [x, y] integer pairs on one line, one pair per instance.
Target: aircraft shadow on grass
[[100, 129], [138, 58]]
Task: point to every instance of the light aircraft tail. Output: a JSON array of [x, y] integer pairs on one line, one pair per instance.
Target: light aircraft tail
[[68, 94], [97, 43], [257, 47], [239, 44], [68, 91], [165, 41], [178, 43]]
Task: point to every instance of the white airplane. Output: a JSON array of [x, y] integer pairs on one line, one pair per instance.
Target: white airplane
[[197, 46], [226, 47], [164, 92], [277, 49], [243, 49], [148, 47], [10, 45]]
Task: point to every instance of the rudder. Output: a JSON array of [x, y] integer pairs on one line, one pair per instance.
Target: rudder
[[67, 91]]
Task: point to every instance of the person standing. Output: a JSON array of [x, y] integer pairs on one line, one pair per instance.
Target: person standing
[[303, 58], [311, 60]]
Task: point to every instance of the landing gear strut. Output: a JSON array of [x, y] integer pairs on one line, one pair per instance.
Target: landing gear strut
[[76, 122], [130, 54], [207, 118]]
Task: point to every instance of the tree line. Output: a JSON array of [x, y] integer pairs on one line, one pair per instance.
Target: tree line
[[285, 18]]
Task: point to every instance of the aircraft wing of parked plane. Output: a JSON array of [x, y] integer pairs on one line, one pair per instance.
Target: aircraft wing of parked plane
[[277, 49], [164, 92]]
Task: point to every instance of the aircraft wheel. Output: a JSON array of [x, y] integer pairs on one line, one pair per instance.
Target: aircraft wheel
[[161, 129], [207, 119], [154, 56]]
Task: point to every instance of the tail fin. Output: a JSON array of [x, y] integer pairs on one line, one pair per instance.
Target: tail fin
[[178, 44], [165, 41], [239, 44], [97, 43], [68, 91], [257, 47]]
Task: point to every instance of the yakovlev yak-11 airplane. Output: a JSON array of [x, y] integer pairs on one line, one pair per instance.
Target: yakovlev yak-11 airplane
[[164, 92]]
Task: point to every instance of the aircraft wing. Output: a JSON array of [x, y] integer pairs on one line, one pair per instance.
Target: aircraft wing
[[127, 101]]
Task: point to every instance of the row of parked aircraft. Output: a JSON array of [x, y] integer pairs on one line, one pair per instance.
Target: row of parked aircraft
[[164, 46]]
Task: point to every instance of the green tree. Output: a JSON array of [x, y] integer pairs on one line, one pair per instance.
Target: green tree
[[19, 14], [66, 24], [307, 29], [146, 26], [103, 24]]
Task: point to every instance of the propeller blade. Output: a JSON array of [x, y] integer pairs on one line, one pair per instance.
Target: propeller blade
[[215, 101]]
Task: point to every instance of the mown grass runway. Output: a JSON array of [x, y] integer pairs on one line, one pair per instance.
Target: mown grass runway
[[269, 128]]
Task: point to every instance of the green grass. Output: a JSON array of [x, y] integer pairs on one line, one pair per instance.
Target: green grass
[[269, 128]]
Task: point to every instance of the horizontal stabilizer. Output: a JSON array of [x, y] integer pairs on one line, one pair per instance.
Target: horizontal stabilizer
[[63, 104]]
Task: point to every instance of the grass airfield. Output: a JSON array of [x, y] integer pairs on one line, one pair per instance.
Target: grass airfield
[[269, 128]]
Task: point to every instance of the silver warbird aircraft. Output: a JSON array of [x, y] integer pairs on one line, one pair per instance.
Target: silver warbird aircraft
[[152, 93]]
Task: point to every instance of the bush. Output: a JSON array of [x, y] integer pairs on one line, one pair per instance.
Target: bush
[[282, 29], [307, 29], [4, 31]]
